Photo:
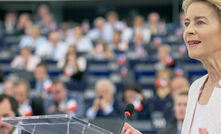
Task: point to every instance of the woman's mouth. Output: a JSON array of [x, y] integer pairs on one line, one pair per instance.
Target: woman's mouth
[[193, 43]]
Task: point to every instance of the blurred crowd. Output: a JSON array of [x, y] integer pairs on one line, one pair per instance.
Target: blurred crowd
[[34, 45]]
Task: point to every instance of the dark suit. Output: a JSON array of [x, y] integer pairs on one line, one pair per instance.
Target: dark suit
[[171, 128], [117, 110]]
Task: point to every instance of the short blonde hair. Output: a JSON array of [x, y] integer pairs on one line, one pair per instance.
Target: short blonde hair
[[183, 92], [165, 48], [216, 4], [104, 81]]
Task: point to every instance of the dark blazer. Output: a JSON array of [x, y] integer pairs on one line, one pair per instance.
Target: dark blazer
[[117, 110], [171, 128]]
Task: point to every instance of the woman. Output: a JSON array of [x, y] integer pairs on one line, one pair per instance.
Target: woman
[[202, 37]]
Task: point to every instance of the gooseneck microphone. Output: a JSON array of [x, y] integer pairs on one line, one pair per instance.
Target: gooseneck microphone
[[128, 111]]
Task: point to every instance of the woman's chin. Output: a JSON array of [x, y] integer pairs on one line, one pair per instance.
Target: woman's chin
[[195, 56]]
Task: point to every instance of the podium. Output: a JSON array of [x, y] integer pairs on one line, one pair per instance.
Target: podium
[[54, 124]]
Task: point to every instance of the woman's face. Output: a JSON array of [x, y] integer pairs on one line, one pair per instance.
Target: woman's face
[[202, 33]]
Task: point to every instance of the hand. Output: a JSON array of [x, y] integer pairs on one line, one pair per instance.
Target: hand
[[52, 109], [96, 104], [104, 103], [128, 129], [203, 131]]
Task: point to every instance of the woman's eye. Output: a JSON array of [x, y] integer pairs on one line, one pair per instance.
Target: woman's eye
[[186, 24], [200, 22]]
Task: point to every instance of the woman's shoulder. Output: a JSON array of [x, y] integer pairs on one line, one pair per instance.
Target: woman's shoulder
[[198, 82]]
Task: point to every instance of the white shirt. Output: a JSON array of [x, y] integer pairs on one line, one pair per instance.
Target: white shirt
[[83, 45], [198, 118], [57, 52]]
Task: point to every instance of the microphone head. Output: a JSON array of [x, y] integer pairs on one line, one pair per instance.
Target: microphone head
[[129, 109]]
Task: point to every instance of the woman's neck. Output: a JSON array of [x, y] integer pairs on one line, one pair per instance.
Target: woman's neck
[[213, 66]]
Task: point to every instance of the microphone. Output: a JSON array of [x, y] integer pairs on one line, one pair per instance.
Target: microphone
[[128, 111]]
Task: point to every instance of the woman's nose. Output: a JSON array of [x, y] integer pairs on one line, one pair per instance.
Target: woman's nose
[[190, 29]]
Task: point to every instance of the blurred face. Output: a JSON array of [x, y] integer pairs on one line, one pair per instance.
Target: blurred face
[[153, 18], [162, 54], [43, 10], [11, 17], [58, 92], [116, 37], [71, 49], [112, 19], [179, 84], [139, 40], [104, 92], [6, 111], [40, 73], [180, 107], [25, 52], [129, 96], [71, 59], [35, 32], [78, 32], [138, 21], [54, 38], [164, 75], [202, 33], [21, 93], [99, 24], [9, 88], [47, 19]]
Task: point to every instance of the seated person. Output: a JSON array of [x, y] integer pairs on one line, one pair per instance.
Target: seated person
[[26, 60], [180, 103], [133, 95], [104, 105], [62, 101], [27, 106], [42, 81], [9, 108], [8, 87]]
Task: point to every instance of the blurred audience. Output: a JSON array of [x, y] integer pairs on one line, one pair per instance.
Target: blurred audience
[[10, 23], [105, 104], [21, 94], [163, 78], [101, 50], [63, 101], [33, 39], [133, 95], [71, 67], [81, 42], [9, 108], [113, 23], [117, 44], [180, 103], [179, 83], [47, 24], [42, 82], [24, 25], [156, 26], [139, 46], [178, 27], [55, 48], [8, 87], [165, 60], [26, 60], [43, 10], [162, 102], [97, 32], [69, 45]]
